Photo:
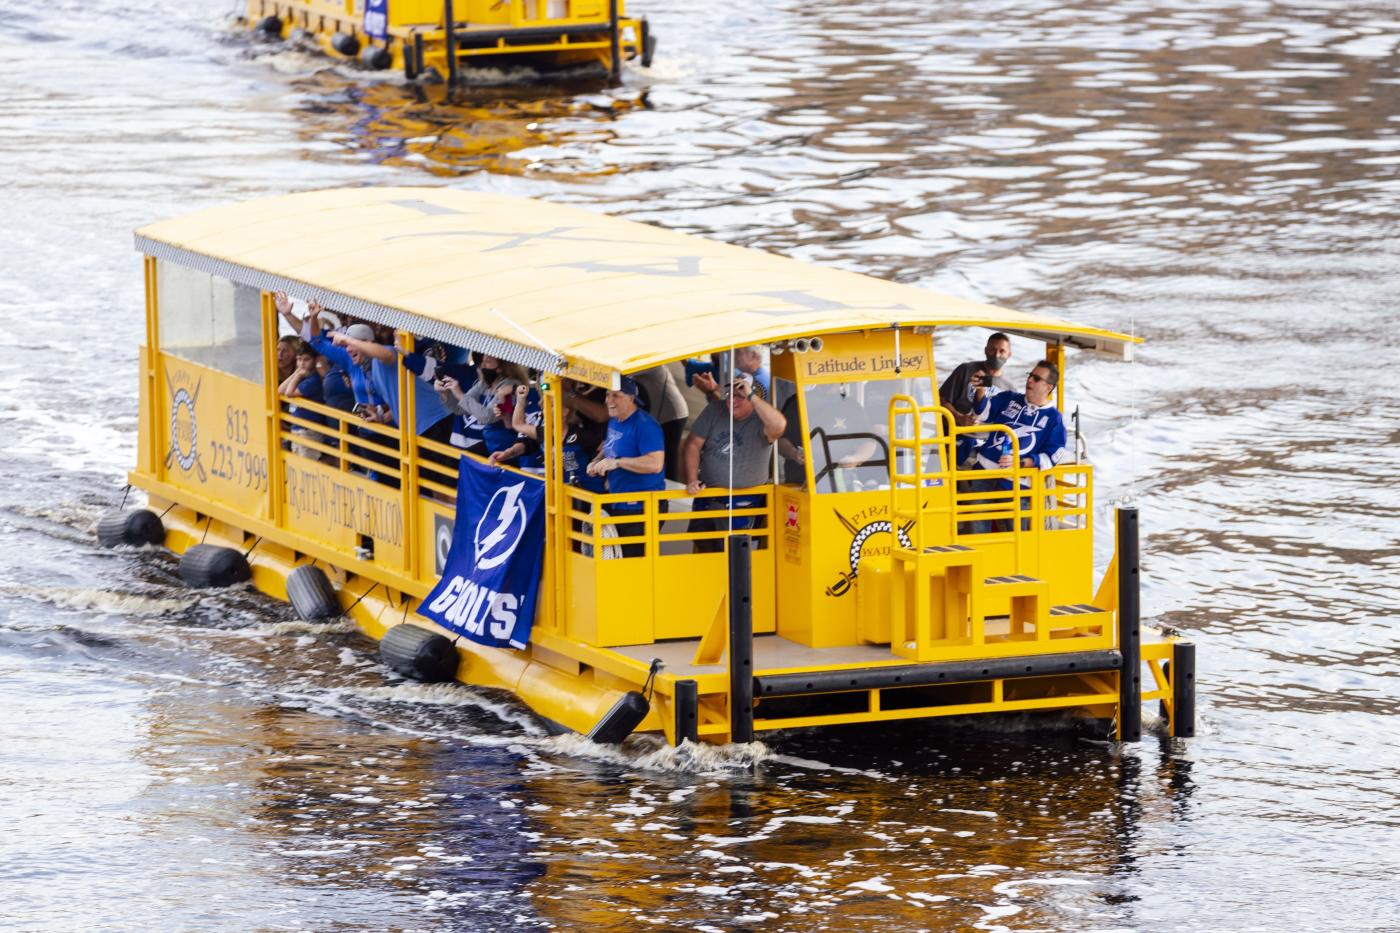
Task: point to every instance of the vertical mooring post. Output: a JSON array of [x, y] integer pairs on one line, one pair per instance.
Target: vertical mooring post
[[687, 707], [615, 67], [449, 25], [1183, 676], [740, 639], [1129, 634]]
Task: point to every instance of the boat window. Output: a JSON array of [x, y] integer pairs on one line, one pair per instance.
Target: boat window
[[847, 430], [209, 320]]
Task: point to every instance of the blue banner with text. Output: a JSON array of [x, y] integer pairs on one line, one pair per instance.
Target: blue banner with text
[[377, 19], [490, 583]]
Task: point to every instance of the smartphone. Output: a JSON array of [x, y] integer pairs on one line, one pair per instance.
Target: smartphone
[[694, 367]]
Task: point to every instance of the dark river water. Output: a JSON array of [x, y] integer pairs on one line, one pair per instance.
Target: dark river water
[[1220, 178]]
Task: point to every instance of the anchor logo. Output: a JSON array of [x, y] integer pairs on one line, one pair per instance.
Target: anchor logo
[[184, 429], [859, 535]]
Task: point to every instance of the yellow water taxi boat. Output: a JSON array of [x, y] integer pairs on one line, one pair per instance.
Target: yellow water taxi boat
[[441, 37], [874, 578]]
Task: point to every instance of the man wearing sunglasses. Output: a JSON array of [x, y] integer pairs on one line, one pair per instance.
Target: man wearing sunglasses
[[1037, 424], [1039, 428]]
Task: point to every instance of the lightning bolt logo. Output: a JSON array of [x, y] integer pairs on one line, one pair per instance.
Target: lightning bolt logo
[[509, 516]]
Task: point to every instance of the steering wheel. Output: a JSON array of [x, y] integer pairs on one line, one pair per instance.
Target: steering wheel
[[829, 470]]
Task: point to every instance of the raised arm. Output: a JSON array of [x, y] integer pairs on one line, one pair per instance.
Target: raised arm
[[369, 348], [284, 308], [774, 424]]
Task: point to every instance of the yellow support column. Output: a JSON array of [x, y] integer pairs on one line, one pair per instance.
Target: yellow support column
[[408, 450], [152, 373], [276, 476]]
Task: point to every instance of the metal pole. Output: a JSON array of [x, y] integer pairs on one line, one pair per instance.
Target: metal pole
[[1129, 635], [449, 24], [740, 639], [1183, 676], [615, 68]]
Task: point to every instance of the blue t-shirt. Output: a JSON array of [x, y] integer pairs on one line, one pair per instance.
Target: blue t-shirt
[[466, 431], [765, 382], [340, 359], [336, 390], [309, 389], [638, 436], [429, 409]]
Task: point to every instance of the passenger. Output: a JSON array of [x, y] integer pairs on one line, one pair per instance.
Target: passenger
[[286, 357], [349, 360], [589, 401], [750, 360], [304, 382], [498, 434], [442, 366], [747, 360], [971, 382], [667, 405], [474, 406], [433, 420], [713, 454], [1037, 424], [335, 384], [632, 458]]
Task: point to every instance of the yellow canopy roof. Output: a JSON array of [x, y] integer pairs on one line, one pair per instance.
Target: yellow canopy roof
[[555, 287]]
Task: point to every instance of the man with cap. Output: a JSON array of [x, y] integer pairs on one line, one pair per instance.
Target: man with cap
[[350, 360], [731, 447], [632, 458]]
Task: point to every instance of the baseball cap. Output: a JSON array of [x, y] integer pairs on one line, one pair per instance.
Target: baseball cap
[[628, 385], [360, 332]]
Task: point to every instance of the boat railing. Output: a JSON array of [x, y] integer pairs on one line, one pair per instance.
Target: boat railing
[[632, 577], [1005, 511]]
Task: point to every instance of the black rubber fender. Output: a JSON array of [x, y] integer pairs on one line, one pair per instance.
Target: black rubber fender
[[626, 714], [376, 57], [138, 527], [209, 565], [415, 652], [270, 26], [648, 44], [345, 44], [310, 592]]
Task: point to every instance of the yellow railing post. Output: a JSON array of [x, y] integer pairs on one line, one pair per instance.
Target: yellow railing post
[[272, 412], [408, 450], [152, 373]]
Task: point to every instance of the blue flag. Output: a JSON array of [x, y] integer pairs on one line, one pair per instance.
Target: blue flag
[[491, 580], [376, 20]]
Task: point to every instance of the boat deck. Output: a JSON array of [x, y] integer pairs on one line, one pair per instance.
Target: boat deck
[[772, 652]]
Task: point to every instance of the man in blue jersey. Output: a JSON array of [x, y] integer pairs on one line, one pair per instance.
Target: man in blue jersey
[[1037, 424], [633, 458]]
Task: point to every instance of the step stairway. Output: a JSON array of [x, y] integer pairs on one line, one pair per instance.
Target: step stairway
[[940, 604]]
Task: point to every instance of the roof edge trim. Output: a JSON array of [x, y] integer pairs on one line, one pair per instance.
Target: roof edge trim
[[532, 357]]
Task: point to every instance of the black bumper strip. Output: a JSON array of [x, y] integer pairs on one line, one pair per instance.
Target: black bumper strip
[[943, 672]]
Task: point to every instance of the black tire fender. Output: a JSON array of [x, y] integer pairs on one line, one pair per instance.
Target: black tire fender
[[345, 44], [209, 565], [136, 528], [310, 592], [415, 652], [376, 57]]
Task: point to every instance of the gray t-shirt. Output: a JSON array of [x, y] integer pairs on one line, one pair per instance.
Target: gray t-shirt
[[753, 452]]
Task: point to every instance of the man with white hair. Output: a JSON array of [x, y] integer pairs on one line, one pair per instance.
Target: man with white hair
[[730, 447]]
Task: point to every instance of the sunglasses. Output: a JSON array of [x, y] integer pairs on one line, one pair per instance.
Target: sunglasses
[[1034, 378]]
